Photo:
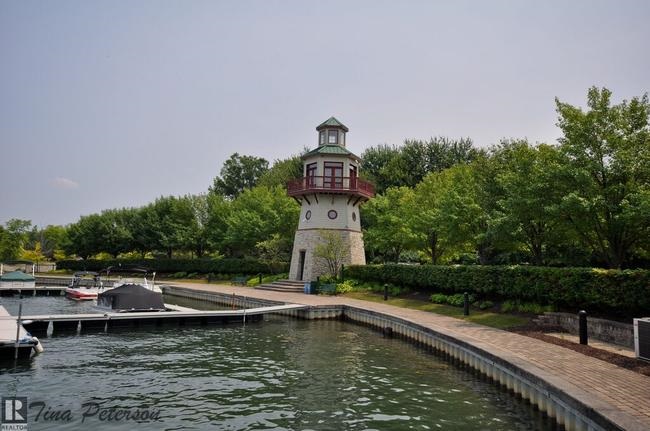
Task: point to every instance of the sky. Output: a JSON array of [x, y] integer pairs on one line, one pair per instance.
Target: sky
[[110, 104]]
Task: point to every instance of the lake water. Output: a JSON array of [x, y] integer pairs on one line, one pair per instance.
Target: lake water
[[279, 374]]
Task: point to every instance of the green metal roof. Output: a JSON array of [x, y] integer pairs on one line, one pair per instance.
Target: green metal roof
[[17, 276], [332, 122], [330, 149]]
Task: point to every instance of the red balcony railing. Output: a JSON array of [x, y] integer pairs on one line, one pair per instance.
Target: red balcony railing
[[339, 185]]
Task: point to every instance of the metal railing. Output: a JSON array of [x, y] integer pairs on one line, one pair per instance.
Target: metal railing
[[330, 184]]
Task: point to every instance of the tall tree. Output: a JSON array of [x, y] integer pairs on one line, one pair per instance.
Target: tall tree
[[218, 209], [390, 166], [608, 152], [144, 228], [389, 230], [281, 172], [256, 215], [176, 223], [239, 173], [199, 237], [53, 239], [86, 235], [448, 218], [374, 161], [13, 238], [527, 212]]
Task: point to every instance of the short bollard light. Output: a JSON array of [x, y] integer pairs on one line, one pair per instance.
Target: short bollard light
[[385, 292], [582, 327], [465, 304]]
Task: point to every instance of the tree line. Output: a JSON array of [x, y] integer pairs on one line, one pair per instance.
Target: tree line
[[582, 202]]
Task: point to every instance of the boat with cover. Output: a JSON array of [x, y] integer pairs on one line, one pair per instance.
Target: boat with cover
[[81, 286], [128, 295], [15, 341]]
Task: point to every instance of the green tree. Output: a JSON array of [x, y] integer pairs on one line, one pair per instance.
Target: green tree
[[389, 166], [239, 173], [281, 172], [114, 234], [374, 161], [332, 251], [388, 220], [176, 223], [199, 237], [528, 211], [255, 215], [448, 218], [13, 238], [53, 239], [85, 236], [218, 209], [274, 252], [608, 174], [143, 226]]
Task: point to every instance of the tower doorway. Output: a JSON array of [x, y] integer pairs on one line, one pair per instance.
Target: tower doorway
[[301, 265]]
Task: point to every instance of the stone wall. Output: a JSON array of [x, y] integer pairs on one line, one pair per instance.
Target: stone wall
[[314, 267], [608, 331]]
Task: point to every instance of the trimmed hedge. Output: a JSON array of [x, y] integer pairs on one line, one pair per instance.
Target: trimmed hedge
[[201, 266], [614, 292]]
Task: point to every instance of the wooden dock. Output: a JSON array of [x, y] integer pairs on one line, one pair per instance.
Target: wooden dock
[[33, 291], [39, 324]]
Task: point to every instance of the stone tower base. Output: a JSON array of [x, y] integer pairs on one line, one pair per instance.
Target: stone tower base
[[306, 241]]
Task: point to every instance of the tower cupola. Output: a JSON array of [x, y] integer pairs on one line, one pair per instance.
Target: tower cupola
[[331, 132]]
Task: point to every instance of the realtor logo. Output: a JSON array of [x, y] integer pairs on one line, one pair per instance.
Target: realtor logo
[[14, 414]]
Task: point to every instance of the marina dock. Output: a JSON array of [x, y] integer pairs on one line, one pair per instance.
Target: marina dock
[[39, 324]]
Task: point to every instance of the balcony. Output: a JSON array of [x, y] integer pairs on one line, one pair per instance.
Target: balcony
[[332, 185]]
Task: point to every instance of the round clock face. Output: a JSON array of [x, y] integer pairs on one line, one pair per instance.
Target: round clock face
[[308, 214], [332, 214]]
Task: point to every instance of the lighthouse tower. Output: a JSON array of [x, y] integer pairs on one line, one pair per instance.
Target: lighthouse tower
[[329, 194]]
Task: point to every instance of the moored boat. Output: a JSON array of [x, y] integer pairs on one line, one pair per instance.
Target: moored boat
[[15, 341], [82, 288], [129, 298], [128, 295]]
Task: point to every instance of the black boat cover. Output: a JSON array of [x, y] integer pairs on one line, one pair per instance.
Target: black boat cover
[[131, 297]]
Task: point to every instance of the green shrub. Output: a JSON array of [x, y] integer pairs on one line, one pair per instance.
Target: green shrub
[[223, 268], [179, 275], [439, 298], [458, 300], [345, 287], [483, 305], [618, 292], [525, 307]]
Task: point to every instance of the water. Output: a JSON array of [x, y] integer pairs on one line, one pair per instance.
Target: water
[[275, 374]]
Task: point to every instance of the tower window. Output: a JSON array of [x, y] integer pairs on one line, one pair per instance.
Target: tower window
[[322, 138], [333, 137]]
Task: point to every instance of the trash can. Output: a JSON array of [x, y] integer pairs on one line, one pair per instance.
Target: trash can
[[308, 288]]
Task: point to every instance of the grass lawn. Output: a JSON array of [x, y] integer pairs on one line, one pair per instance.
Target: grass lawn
[[487, 318]]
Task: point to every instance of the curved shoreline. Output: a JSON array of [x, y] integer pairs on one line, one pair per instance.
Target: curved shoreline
[[579, 392]]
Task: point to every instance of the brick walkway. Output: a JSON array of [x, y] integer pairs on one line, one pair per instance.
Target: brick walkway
[[619, 394]]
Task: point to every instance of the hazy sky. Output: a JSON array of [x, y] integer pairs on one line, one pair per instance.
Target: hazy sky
[[108, 104]]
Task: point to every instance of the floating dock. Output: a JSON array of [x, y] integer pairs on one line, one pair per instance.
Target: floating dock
[[8, 327], [33, 291], [40, 324]]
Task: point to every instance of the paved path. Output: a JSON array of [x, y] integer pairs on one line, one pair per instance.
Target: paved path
[[620, 394]]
